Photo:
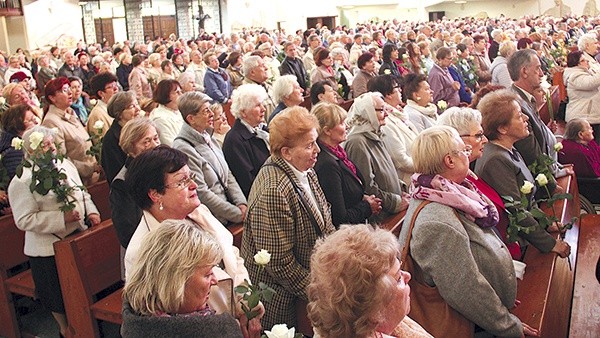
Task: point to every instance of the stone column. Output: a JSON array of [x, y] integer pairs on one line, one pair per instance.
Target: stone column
[[185, 20], [89, 27], [133, 15]]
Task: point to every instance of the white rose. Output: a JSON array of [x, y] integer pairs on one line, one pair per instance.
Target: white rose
[[99, 125], [93, 102], [541, 179], [35, 139], [527, 187], [442, 104], [558, 146], [280, 331], [387, 72], [263, 257], [17, 143], [2, 100]]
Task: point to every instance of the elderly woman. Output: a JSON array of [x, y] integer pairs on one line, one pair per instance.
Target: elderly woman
[[366, 72], [323, 91], [398, 133], [234, 70], [123, 107], [442, 84], [288, 213], [366, 149], [582, 87], [103, 87], [287, 92], [70, 134], [40, 216], [137, 136], [467, 122], [221, 125], [390, 55], [588, 45], [503, 168], [324, 70], [499, 68], [341, 68], [365, 261], [419, 97], [217, 187], [138, 78], [217, 84], [341, 181], [154, 71], [167, 292], [187, 80], [580, 148], [15, 93], [163, 186], [81, 100], [167, 116], [451, 233], [124, 69], [15, 121], [246, 145]]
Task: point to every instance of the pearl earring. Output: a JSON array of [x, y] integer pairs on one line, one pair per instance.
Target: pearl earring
[[418, 98], [160, 207]]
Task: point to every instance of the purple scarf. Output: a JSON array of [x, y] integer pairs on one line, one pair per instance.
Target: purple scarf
[[340, 153], [464, 197]]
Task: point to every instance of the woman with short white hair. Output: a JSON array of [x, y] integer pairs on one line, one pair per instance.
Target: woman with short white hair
[[246, 145], [287, 92], [499, 69], [588, 44], [187, 81]]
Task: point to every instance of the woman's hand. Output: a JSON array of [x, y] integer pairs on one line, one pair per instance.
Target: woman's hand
[[374, 203], [3, 196], [252, 328], [244, 210], [456, 85], [71, 216], [562, 248], [94, 219], [405, 201], [530, 331]]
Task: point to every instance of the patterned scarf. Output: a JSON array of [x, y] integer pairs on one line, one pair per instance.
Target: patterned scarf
[[464, 197], [340, 153]]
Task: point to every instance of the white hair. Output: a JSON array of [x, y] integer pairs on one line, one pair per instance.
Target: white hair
[[460, 119], [585, 40], [250, 63], [243, 98], [283, 87]]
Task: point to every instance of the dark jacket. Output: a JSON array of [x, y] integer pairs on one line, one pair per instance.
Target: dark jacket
[[462, 92], [11, 157], [113, 157], [125, 214], [342, 189], [123, 72], [217, 85], [294, 67], [245, 154]]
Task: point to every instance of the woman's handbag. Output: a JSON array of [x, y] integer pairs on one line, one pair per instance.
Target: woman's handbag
[[427, 307]]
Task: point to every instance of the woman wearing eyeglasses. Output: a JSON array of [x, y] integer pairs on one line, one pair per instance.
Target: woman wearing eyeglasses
[[162, 185], [71, 134], [217, 187], [503, 168], [366, 149], [582, 88], [449, 232]]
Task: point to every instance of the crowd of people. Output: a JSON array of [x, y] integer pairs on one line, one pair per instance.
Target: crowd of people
[[443, 120]]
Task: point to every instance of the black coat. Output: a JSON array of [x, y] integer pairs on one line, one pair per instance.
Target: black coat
[[113, 157], [245, 154], [342, 189], [294, 67]]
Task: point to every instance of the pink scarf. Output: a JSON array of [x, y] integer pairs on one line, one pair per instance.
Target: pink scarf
[[340, 153], [464, 197]]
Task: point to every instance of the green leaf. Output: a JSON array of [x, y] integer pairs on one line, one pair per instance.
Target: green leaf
[[241, 289], [48, 183], [19, 171], [253, 300]]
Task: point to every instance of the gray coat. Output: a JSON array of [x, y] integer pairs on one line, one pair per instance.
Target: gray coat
[[470, 266], [205, 160], [367, 152]]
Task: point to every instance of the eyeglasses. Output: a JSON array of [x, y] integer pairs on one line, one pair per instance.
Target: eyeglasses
[[205, 111], [478, 137], [66, 89], [467, 151], [183, 183]]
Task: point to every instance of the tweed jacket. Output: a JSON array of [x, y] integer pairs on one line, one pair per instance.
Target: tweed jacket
[[73, 138], [470, 266], [99, 113], [40, 216], [540, 139], [505, 172], [343, 190], [204, 159], [368, 153], [210, 326], [168, 122], [245, 154], [278, 222]]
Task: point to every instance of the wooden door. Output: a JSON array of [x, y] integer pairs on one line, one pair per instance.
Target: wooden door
[[104, 30], [160, 25]]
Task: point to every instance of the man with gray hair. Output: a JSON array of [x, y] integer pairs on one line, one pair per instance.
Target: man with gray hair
[[525, 70], [255, 71]]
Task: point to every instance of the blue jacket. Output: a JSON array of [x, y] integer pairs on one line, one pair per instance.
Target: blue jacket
[[217, 85], [462, 92]]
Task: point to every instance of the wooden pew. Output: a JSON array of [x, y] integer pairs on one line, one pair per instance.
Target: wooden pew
[[89, 263], [545, 114], [585, 311], [237, 230], [547, 287], [100, 192], [12, 241]]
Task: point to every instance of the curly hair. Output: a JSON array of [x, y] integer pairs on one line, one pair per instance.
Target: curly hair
[[349, 282]]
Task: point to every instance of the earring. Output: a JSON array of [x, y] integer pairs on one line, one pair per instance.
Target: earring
[[160, 207], [418, 98]]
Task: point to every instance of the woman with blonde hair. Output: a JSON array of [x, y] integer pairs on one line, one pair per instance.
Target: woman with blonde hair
[[167, 292], [375, 299]]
